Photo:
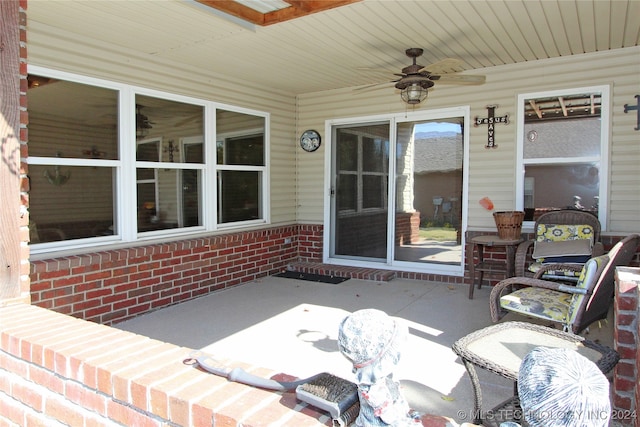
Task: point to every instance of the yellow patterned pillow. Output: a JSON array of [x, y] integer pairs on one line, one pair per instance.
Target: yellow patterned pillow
[[557, 232], [549, 233]]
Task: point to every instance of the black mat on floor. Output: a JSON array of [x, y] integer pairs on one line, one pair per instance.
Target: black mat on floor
[[334, 280]]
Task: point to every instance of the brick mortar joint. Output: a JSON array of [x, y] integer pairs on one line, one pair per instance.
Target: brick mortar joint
[[14, 334], [46, 392]]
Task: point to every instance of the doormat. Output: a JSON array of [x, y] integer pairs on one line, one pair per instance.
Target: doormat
[[334, 280]]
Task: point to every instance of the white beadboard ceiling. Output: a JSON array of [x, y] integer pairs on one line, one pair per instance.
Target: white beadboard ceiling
[[358, 44]]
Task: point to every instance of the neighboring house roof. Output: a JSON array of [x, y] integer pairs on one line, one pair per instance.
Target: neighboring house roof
[[433, 153]]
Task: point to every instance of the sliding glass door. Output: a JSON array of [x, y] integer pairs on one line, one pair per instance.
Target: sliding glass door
[[398, 191]]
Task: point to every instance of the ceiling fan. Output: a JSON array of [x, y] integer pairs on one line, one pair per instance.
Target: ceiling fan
[[415, 79], [143, 124]]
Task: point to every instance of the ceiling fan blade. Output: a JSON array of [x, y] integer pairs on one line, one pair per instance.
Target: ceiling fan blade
[[188, 120], [461, 79], [447, 65]]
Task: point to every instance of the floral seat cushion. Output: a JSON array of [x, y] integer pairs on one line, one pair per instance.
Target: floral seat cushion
[[542, 303], [550, 304]]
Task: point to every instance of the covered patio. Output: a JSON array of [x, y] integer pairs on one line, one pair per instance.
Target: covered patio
[[100, 304], [290, 326]]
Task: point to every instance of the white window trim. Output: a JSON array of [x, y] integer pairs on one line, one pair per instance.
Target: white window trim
[[125, 198], [605, 137], [393, 120]]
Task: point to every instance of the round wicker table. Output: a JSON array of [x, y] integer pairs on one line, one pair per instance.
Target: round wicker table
[[500, 349]]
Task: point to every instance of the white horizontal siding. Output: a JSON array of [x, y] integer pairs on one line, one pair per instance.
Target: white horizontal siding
[[492, 171], [94, 59]]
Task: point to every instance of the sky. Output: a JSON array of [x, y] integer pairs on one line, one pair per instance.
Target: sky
[[437, 127]]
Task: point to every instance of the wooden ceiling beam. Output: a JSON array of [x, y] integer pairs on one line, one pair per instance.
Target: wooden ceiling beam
[[535, 108], [297, 9], [235, 9], [563, 106]]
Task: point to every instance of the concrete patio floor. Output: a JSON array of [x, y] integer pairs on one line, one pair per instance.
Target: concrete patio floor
[[291, 326]]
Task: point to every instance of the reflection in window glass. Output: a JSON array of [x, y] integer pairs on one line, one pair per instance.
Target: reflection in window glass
[[347, 192], [72, 120], [170, 121], [70, 202], [168, 197], [240, 139], [245, 150], [575, 185], [373, 155], [373, 191], [361, 190], [148, 151], [429, 190], [240, 158], [561, 139], [561, 153], [238, 196], [161, 200], [76, 163], [347, 158]]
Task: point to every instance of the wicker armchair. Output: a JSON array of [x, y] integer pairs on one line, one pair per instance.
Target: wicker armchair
[[575, 307], [527, 266]]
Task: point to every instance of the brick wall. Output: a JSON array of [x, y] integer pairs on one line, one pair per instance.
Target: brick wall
[[407, 228], [112, 286], [310, 243], [626, 399], [78, 373]]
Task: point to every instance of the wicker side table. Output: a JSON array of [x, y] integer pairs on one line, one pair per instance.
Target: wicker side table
[[500, 349]]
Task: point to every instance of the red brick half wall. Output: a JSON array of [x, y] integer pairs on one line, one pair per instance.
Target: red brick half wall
[[78, 373], [111, 286]]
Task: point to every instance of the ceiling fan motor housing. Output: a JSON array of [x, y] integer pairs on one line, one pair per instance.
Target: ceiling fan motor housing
[[420, 80]]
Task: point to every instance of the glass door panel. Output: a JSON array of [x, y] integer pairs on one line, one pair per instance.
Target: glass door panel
[[429, 185], [360, 192]]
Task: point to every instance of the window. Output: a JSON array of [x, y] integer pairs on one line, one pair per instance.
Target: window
[[74, 158], [241, 166], [172, 182], [111, 162], [563, 150]]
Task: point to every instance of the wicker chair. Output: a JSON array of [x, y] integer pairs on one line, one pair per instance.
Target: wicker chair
[[575, 307], [527, 266]]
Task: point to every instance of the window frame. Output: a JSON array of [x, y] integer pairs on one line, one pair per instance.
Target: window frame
[[124, 198], [603, 159], [360, 173], [393, 120]]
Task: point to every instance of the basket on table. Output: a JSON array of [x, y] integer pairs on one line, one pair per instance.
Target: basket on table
[[509, 224]]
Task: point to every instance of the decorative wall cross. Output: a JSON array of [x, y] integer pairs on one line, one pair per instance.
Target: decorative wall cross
[[628, 108], [171, 148], [491, 120]]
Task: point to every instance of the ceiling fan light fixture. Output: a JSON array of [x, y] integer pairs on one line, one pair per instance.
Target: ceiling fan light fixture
[[414, 94], [142, 123]]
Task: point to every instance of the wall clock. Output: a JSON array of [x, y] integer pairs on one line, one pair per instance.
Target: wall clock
[[310, 140]]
